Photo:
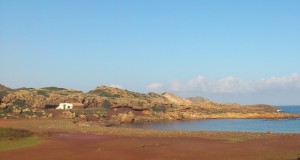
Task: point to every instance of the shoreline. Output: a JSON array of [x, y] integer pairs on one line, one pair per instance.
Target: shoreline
[[68, 126], [78, 141], [89, 146]]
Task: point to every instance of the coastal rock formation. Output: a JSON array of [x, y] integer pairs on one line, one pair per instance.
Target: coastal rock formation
[[175, 99], [125, 117], [114, 104], [198, 100], [69, 114]]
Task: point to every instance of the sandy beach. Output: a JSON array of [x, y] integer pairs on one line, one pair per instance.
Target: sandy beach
[[118, 143]]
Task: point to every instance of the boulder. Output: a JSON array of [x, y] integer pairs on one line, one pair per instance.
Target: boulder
[[125, 117], [83, 117], [3, 106], [175, 115], [26, 110], [68, 114], [110, 123], [17, 110], [50, 115]]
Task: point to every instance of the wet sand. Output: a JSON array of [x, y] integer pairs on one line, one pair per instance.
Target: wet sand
[[92, 145]]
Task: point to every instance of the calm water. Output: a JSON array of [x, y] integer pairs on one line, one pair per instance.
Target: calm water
[[243, 125]]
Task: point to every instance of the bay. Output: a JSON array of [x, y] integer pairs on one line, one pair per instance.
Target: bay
[[234, 125]]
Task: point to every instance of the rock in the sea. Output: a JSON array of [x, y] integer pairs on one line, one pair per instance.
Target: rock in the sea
[[125, 118], [175, 116], [110, 123]]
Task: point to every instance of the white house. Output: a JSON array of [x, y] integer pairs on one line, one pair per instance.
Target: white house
[[65, 106]]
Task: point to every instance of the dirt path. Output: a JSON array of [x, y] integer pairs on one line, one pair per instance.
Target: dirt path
[[78, 146]]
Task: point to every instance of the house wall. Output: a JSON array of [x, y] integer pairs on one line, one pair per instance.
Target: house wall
[[65, 106]]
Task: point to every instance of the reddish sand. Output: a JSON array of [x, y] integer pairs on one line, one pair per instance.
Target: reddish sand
[[78, 146], [102, 143]]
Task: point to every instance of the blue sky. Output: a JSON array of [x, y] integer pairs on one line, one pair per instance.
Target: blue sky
[[229, 51]]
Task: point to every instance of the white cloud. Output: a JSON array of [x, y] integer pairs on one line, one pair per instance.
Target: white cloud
[[231, 84], [175, 85], [223, 85], [270, 90], [154, 86], [200, 83], [116, 86], [284, 82]]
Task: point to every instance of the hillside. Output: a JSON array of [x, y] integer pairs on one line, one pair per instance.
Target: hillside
[[3, 91], [198, 99], [116, 105], [4, 88]]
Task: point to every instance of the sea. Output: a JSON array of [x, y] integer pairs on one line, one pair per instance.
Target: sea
[[234, 125]]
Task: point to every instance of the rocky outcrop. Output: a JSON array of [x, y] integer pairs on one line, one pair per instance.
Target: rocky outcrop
[[4, 91], [68, 114], [17, 110], [125, 117], [175, 99], [107, 104], [196, 100], [106, 97], [3, 88]]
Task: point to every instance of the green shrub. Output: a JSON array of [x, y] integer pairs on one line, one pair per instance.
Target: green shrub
[[54, 88], [8, 109], [42, 93], [19, 103], [24, 88], [159, 109], [3, 94], [106, 94], [106, 104]]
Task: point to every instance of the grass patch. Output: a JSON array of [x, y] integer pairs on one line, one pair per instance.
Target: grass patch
[[11, 134], [6, 145], [17, 138]]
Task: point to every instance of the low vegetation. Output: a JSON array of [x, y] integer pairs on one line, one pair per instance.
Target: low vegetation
[[17, 138], [12, 134], [19, 103], [3, 94], [104, 93], [54, 88], [42, 93]]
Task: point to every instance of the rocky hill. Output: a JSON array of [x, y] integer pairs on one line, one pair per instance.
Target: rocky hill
[[198, 99], [114, 104], [177, 100], [3, 88], [3, 91]]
